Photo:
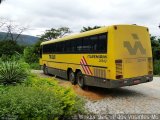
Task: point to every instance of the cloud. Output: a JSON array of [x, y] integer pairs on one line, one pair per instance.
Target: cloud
[[45, 14]]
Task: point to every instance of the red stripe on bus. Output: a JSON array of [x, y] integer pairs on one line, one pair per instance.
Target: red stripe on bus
[[83, 67], [87, 66]]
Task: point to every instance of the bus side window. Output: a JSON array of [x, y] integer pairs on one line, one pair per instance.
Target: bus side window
[[63, 47], [50, 48], [94, 42], [53, 48], [87, 46], [79, 46], [102, 43], [59, 47], [67, 46], [73, 46]]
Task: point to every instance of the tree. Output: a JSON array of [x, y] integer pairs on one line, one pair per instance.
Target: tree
[[48, 35], [9, 47], [12, 29], [84, 29], [55, 33], [155, 43], [8, 43]]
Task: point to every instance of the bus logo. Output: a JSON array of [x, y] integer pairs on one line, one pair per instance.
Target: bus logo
[[85, 66], [137, 46]]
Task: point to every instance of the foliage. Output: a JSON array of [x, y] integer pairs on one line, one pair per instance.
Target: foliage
[[156, 67], [12, 71], [31, 55], [55, 33], [34, 50], [84, 29], [35, 66], [155, 43], [9, 47], [39, 98]]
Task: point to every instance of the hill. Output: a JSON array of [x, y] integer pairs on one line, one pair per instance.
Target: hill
[[22, 40]]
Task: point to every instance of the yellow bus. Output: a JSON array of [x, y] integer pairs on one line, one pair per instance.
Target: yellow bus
[[109, 57]]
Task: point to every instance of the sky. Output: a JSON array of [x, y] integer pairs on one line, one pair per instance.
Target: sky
[[40, 15]]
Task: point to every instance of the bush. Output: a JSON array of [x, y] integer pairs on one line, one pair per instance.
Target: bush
[[9, 47], [156, 67], [35, 66], [30, 51], [12, 72], [39, 98]]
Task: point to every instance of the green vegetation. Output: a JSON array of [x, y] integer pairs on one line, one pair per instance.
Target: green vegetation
[[156, 67], [55, 33], [31, 55], [26, 96], [155, 42], [12, 72], [9, 48], [35, 66], [35, 97], [33, 50]]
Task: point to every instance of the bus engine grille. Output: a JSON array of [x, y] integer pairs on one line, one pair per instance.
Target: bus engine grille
[[100, 73]]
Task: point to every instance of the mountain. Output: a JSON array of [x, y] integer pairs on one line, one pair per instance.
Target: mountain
[[22, 40]]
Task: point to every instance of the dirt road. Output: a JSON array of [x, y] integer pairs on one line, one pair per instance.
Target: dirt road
[[143, 98]]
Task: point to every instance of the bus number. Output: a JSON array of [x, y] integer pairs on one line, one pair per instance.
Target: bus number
[[103, 60], [52, 56]]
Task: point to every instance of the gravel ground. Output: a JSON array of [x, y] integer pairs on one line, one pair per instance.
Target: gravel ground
[[138, 99]]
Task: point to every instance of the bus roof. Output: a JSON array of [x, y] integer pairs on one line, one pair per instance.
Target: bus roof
[[83, 34]]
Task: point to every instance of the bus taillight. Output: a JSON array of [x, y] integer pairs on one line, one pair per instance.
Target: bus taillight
[[119, 73]]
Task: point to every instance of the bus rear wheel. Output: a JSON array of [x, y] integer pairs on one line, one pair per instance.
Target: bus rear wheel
[[80, 79], [71, 77], [45, 70]]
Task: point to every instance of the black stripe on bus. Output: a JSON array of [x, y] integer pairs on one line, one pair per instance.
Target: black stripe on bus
[[79, 64], [84, 74]]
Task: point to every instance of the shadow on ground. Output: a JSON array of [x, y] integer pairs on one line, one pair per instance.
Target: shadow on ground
[[97, 93]]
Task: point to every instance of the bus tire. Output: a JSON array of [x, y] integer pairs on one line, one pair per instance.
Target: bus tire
[[45, 70], [71, 77], [80, 79]]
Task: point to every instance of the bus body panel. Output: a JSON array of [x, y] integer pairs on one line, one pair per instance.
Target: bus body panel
[[73, 61]]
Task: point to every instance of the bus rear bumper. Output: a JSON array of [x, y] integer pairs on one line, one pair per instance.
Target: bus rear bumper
[[106, 83]]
